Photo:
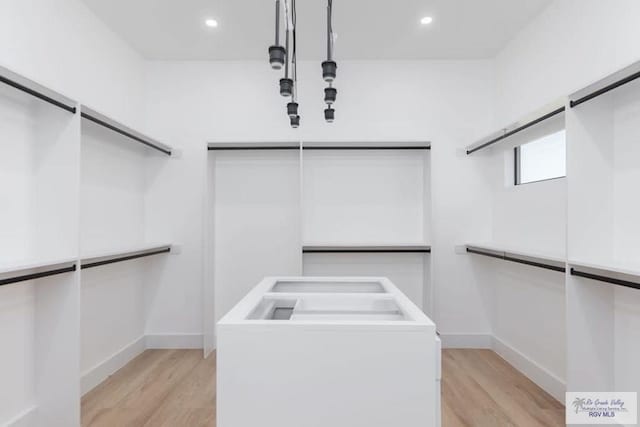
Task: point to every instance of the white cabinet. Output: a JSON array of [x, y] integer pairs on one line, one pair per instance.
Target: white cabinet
[[341, 352]]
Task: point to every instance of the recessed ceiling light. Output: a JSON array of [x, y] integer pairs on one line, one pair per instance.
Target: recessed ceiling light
[[211, 23], [426, 20]]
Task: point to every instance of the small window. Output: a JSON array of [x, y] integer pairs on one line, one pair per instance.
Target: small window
[[542, 159]]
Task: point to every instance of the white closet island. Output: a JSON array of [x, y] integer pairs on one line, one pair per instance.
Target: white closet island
[[343, 352]]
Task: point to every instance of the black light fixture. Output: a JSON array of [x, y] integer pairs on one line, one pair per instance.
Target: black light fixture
[[329, 67], [277, 53], [329, 114], [292, 109], [330, 94], [286, 83], [285, 57]]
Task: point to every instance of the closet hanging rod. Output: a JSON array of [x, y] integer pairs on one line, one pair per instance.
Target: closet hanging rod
[[368, 147], [33, 276], [117, 127], [366, 249], [612, 280], [607, 84], [540, 263], [120, 258], [36, 90], [316, 146], [508, 133]]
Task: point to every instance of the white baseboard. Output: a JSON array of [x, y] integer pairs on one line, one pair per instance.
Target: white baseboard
[[466, 340], [536, 373], [96, 375], [26, 418], [173, 341], [104, 369]]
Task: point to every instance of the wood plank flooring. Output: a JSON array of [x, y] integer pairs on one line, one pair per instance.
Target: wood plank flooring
[[167, 388]]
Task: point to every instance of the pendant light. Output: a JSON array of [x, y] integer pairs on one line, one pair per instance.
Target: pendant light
[[329, 67], [292, 107], [277, 53], [330, 94], [329, 114], [286, 84], [286, 57]]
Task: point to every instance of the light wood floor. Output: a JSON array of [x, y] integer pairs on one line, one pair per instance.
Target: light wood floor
[[177, 388]]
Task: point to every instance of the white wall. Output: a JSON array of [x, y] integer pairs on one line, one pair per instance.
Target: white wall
[[569, 45], [63, 45], [445, 102]]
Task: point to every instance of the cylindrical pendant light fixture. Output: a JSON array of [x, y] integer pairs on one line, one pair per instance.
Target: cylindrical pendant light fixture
[[277, 53], [330, 94], [329, 114], [286, 84], [329, 67], [292, 109]]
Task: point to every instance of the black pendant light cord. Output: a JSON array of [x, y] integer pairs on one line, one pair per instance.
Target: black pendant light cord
[[329, 30], [294, 93], [277, 23]]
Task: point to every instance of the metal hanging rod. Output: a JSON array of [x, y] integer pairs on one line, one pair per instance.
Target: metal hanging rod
[[33, 276], [518, 129], [612, 280], [619, 79], [36, 90], [253, 146], [368, 147], [366, 249], [506, 257], [314, 146], [117, 127], [120, 258]]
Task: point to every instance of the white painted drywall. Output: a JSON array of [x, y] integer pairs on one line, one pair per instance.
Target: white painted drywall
[[442, 101], [570, 44], [63, 45]]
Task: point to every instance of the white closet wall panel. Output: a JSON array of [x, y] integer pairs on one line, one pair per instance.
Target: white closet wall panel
[[627, 339], [520, 295], [532, 216], [365, 196], [17, 311], [113, 188], [626, 147], [256, 221], [409, 272], [113, 315], [38, 178]]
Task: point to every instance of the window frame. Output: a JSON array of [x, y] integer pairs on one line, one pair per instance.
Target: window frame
[[517, 178]]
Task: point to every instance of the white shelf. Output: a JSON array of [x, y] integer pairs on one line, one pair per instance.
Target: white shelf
[[36, 90], [123, 254], [366, 145], [109, 123], [606, 84], [35, 264], [387, 248], [549, 261], [236, 146], [524, 123], [615, 268], [547, 256]]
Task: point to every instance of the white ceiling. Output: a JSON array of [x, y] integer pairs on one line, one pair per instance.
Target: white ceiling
[[367, 29]]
